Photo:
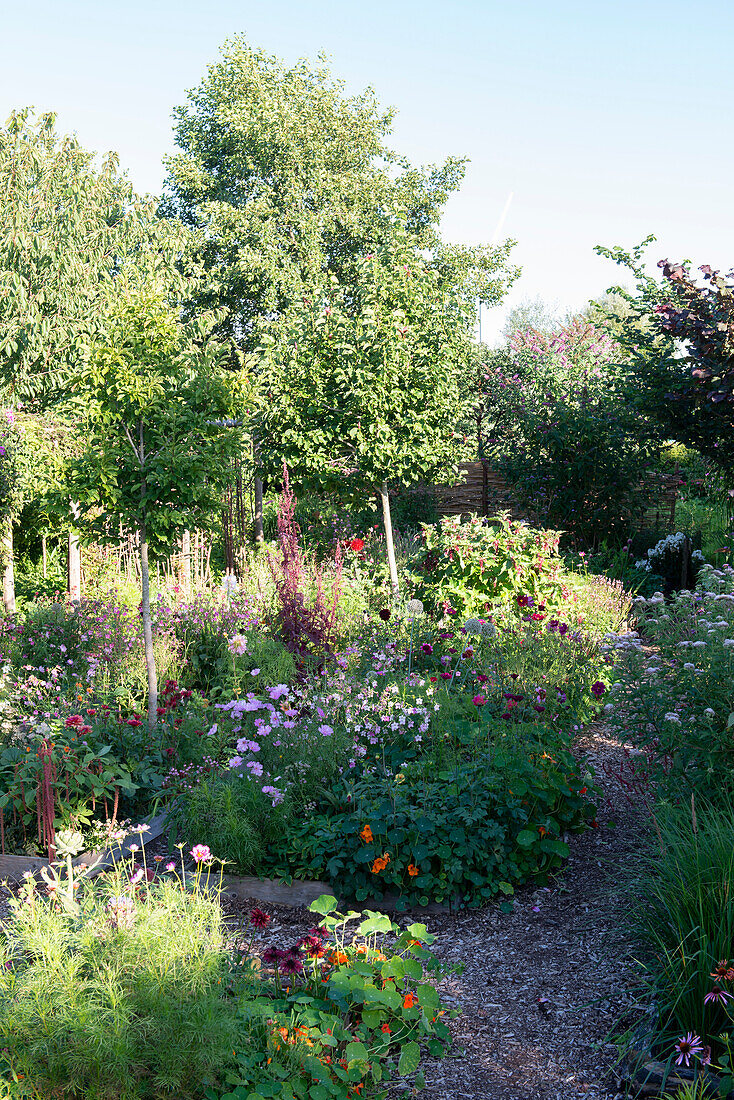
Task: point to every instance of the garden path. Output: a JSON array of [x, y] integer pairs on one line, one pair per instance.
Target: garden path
[[545, 985]]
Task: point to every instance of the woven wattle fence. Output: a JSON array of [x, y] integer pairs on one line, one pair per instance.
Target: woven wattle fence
[[482, 490]]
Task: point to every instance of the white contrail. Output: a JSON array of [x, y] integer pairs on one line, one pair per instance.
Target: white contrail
[[503, 215]]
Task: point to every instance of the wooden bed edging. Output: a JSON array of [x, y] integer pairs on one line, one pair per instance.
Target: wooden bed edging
[[14, 868]]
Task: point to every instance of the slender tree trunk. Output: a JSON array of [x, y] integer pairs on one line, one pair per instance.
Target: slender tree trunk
[[387, 521], [186, 562], [44, 555], [259, 528], [74, 561], [6, 550], [148, 632]]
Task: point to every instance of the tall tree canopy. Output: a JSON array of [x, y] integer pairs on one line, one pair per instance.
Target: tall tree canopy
[[290, 181], [73, 236], [323, 247]]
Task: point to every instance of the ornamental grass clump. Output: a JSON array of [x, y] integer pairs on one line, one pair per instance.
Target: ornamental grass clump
[[684, 921], [122, 1001]]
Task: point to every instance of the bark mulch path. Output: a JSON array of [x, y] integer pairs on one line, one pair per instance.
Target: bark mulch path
[[544, 986]]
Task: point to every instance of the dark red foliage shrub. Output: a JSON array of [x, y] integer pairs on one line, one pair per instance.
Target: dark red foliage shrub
[[307, 626]]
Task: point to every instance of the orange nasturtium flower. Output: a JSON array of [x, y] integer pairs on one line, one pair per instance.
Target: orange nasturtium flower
[[366, 835], [380, 863], [410, 1000], [412, 870]]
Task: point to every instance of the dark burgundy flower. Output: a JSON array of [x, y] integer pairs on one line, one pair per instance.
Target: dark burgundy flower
[[291, 964], [598, 689], [272, 956], [259, 919], [384, 614]]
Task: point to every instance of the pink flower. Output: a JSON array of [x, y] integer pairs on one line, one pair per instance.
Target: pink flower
[[171, 866], [688, 1046], [200, 852], [479, 700], [717, 996]]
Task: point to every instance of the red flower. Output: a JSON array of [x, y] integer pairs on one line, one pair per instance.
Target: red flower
[[357, 545], [259, 919]]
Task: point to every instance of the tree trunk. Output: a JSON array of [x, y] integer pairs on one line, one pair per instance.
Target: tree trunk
[[6, 550], [259, 529], [387, 521], [44, 554], [186, 563], [148, 633], [74, 561]]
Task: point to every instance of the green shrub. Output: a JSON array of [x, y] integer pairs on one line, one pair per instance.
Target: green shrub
[[234, 816], [476, 567], [677, 702]]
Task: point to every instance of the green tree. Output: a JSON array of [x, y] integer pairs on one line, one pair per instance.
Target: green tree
[[679, 337], [293, 188], [288, 180], [560, 427], [364, 388], [73, 237], [532, 313], [161, 420]]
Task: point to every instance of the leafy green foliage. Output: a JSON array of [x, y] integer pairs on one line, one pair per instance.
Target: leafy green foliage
[[82, 778], [355, 1017], [465, 833], [124, 1002], [677, 703], [480, 565], [157, 440], [685, 916], [291, 182], [74, 236], [562, 429], [365, 389]]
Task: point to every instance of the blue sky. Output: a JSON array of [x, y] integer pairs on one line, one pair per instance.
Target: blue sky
[[606, 120]]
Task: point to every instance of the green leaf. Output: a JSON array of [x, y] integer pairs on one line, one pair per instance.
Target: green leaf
[[410, 1057], [324, 905]]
